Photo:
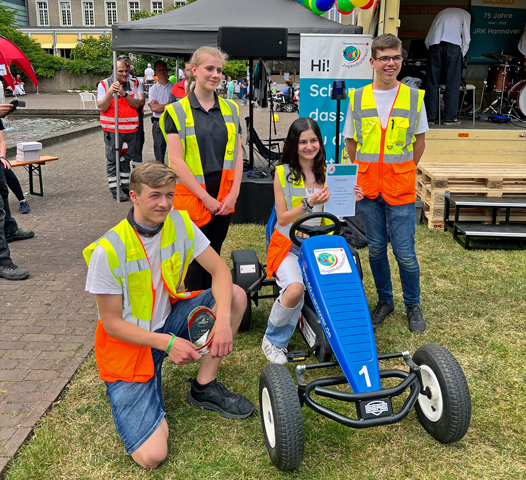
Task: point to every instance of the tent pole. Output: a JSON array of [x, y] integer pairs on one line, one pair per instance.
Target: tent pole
[[250, 113], [117, 143]]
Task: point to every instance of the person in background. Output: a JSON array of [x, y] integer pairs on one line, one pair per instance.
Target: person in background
[[128, 102], [385, 131], [139, 143], [274, 89], [244, 91], [229, 88], [9, 231], [158, 99], [447, 42], [149, 75], [204, 149], [179, 89]]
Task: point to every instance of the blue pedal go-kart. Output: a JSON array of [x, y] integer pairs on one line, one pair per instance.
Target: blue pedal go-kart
[[434, 383]]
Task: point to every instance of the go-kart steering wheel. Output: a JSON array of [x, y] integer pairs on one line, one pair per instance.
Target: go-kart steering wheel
[[313, 231]]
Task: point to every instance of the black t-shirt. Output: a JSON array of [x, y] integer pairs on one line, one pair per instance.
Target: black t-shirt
[[210, 131]]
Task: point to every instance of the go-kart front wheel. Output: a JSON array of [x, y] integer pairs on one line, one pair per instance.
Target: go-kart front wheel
[[446, 411], [281, 417]]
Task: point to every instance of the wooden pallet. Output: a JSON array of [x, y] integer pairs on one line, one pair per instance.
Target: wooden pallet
[[436, 196], [477, 214], [490, 176]]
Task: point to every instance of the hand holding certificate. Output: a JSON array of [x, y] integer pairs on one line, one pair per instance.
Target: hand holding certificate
[[341, 182]]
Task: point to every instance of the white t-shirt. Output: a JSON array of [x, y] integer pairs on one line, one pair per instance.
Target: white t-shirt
[[149, 74], [384, 100], [309, 192], [161, 94], [100, 279]]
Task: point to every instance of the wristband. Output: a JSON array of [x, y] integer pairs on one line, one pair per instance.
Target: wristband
[[170, 343]]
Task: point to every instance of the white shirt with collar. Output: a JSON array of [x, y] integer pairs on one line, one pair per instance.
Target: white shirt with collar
[[161, 94], [450, 25]]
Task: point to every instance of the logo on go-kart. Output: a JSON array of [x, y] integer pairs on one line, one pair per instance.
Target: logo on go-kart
[[327, 259], [377, 407], [351, 54]]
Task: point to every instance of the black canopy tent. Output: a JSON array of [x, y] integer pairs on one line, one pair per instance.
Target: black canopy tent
[[182, 31]]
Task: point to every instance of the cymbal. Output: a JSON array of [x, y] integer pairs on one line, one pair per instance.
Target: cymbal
[[499, 57]]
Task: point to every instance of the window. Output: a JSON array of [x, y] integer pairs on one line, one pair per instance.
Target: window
[[157, 7], [43, 15], [111, 13], [180, 4], [334, 15], [132, 8], [65, 14], [89, 14]]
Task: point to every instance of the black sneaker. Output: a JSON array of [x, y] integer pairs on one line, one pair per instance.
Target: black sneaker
[[12, 272], [123, 197], [20, 235], [416, 320], [217, 398], [382, 309]]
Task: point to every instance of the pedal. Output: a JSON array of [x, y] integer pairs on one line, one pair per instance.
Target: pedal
[[297, 356]]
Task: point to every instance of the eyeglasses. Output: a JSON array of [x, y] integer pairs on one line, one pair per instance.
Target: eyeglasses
[[395, 59], [124, 57]]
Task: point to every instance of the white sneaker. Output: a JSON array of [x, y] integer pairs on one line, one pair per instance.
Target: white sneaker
[[274, 354]]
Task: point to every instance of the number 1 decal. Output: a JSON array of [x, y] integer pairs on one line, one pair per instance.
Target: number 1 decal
[[364, 371]]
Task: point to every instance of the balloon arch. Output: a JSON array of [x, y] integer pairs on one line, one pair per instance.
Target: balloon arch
[[345, 7]]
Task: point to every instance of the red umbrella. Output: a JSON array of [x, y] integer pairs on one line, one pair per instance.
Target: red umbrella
[[10, 53]]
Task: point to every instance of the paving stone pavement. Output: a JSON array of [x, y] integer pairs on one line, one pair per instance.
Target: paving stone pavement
[[47, 322]]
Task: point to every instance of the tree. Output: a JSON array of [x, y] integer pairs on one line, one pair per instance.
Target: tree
[[235, 69], [44, 64], [92, 55]]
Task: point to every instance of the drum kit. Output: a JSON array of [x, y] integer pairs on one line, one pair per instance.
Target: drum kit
[[507, 79]]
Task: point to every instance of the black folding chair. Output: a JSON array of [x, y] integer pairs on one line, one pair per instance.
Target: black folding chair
[[265, 148]]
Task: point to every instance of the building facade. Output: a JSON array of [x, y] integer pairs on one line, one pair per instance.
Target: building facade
[[58, 24]]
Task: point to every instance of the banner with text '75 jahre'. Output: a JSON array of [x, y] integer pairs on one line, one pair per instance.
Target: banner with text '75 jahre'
[[324, 59]]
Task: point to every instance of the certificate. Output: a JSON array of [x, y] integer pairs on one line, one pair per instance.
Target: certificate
[[340, 182]]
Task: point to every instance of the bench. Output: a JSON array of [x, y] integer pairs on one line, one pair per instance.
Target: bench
[[34, 166], [508, 236]]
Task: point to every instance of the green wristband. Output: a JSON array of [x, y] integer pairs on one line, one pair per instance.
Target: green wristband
[[170, 343]]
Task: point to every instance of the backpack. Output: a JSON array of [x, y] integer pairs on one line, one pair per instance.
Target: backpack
[[353, 231]]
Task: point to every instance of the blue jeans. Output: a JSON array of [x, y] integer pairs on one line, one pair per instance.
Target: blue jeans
[[138, 408], [444, 63], [376, 215]]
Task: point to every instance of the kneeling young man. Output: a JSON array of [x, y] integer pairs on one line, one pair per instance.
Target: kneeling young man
[[137, 270]]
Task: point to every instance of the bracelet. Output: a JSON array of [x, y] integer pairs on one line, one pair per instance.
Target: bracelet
[[170, 343], [305, 205]]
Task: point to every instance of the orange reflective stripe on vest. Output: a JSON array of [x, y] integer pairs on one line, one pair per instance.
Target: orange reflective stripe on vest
[[128, 120]]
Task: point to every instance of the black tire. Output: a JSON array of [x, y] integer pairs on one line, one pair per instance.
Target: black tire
[[278, 107], [281, 417], [447, 414], [289, 107], [247, 316]]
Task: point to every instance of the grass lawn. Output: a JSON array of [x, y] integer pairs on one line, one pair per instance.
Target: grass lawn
[[474, 303]]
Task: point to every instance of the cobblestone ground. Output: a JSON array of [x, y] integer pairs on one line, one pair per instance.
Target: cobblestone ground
[[47, 322]]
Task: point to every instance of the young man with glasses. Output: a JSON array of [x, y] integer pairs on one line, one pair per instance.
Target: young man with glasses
[[385, 131]]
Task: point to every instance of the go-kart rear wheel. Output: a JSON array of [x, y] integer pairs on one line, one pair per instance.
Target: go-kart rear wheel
[[247, 316], [446, 412], [281, 417]]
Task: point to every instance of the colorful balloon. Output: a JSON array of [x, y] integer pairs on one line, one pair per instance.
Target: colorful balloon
[[323, 5], [173, 79], [306, 4], [313, 9], [369, 5], [276, 117], [360, 3], [345, 7]]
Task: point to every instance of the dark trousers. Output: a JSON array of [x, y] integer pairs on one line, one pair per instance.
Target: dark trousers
[[13, 183], [447, 58], [139, 141], [124, 163], [197, 278], [159, 144], [5, 255], [10, 226]]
